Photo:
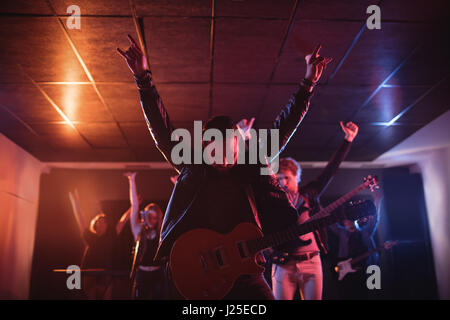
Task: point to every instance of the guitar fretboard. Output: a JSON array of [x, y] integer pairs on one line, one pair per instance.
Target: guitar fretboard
[[293, 232]]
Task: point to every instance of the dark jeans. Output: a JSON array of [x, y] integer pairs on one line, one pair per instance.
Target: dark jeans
[[151, 285]]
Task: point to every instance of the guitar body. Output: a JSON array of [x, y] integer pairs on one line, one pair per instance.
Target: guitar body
[[205, 264], [343, 268]]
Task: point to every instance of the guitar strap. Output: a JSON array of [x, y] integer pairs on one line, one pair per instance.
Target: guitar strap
[[252, 202]]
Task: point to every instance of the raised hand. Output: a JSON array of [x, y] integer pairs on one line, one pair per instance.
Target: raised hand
[[350, 129], [315, 64], [130, 175], [135, 58]]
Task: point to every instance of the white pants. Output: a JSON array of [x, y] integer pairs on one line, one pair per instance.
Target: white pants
[[306, 275]]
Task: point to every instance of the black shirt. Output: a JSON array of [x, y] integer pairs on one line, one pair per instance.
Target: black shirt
[[222, 203], [99, 251]]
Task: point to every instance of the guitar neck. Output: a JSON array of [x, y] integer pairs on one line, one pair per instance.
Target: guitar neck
[[365, 255], [297, 230]]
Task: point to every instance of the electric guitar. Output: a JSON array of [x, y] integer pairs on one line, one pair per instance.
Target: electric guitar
[[346, 266], [205, 264]]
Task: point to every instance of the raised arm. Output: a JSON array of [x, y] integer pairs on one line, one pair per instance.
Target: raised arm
[[317, 187], [74, 200], [135, 219], [294, 112], [155, 113]]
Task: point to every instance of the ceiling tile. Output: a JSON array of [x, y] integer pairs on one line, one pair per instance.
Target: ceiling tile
[[102, 134], [237, 101], [245, 50], [78, 102], [185, 102], [28, 103], [25, 7], [408, 10], [98, 7], [49, 56], [333, 103], [378, 52], [254, 8], [97, 42], [334, 10], [138, 135], [435, 103], [178, 48], [60, 135], [335, 38], [186, 8], [123, 100], [388, 103]]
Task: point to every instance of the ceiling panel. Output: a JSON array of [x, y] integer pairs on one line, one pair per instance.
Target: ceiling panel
[[97, 7], [333, 103], [429, 63], [39, 45], [335, 38], [185, 102], [247, 38], [277, 97], [384, 140], [245, 50], [178, 48], [97, 42], [237, 101], [378, 52], [254, 8], [314, 135], [78, 102], [123, 101], [334, 10], [60, 135], [185, 8], [408, 10], [102, 134], [28, 103], [435, 103], [25, 6], [388, 103], [138, 135]]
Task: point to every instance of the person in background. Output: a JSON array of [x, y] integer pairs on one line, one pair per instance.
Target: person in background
[[354, 239], [148, 276], [100, 240], [301, 266]]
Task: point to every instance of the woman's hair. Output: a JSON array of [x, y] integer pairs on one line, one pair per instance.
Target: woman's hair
[[159, 215], [94, 221]]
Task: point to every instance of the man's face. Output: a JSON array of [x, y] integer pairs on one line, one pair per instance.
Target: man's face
[[288, 180], [230, 144]]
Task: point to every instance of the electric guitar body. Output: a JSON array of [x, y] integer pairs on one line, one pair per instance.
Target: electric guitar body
[[205, 264]]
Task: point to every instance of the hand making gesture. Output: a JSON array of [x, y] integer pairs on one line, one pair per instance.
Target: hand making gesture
[[315, 64], [135, 58]]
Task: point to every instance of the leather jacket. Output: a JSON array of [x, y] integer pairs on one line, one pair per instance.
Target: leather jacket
[[274, 210]]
